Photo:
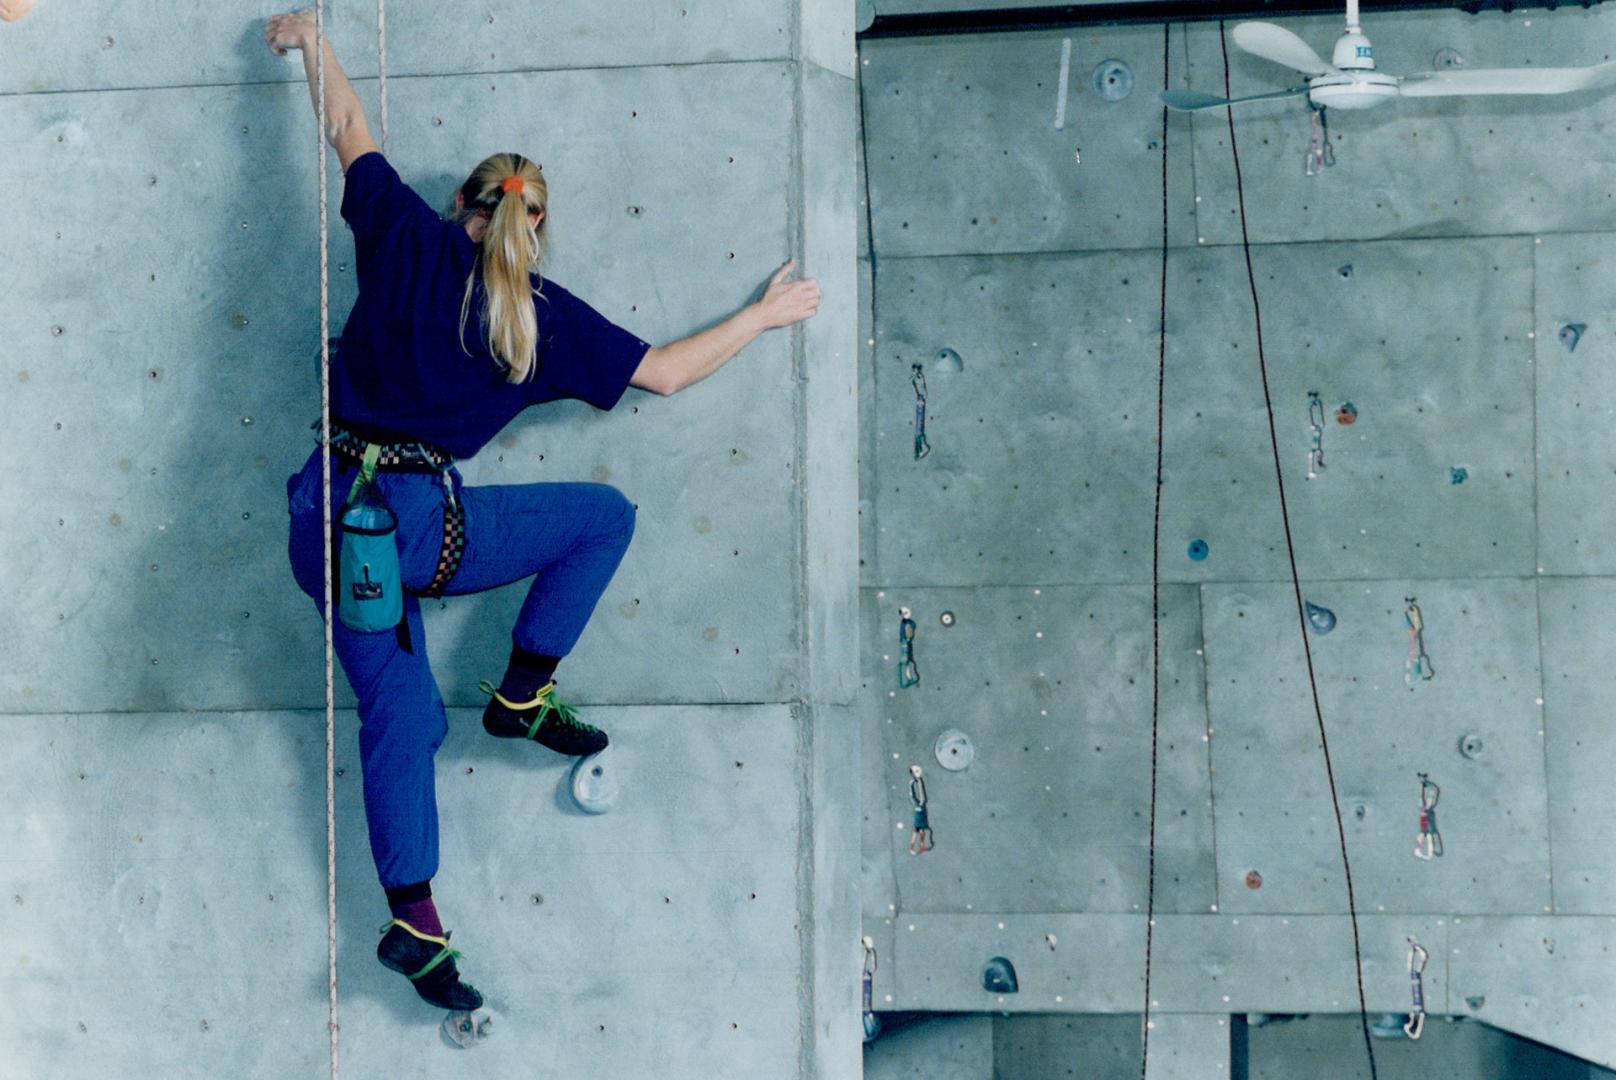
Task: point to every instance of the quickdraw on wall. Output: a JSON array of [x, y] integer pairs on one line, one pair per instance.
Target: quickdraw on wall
[[1419, 661], [920, 840], [1429, 844], [1320, 152], [1315, 420], [918, 381], [908, 672], [1417, 956], [872, 1022]]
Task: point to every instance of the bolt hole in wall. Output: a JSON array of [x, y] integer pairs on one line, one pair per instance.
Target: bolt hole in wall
[[1429, 338]]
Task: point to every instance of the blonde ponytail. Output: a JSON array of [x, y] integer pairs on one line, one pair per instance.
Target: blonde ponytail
[[509, 187]]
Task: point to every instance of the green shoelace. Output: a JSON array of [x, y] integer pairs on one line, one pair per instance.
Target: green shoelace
[[548, 705]]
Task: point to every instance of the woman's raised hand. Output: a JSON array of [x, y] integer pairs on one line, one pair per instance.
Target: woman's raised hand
[[294, 30], [786, 302]]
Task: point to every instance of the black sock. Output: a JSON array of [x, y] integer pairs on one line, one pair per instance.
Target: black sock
[[526, 674]]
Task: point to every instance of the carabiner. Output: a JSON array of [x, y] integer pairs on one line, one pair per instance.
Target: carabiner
[[920, 840]]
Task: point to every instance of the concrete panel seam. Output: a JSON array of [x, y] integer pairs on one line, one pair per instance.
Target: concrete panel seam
[[1543, 742], [1211, 776], [358, 80]]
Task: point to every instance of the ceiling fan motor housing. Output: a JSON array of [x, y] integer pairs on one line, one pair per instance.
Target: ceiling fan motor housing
[[1353, 51]]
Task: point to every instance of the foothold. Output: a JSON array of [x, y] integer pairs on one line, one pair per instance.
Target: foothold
[[1345, 270], [467, 1029], [1548, 945], [1347, 414], [1199, 550], [954, 750], [1322, 619], [594, 783], [1470, 746], [1388, 1026], [999, 977], [947, 362], [1360, 811], [946, 618], [1113, 80], [1476, 1002], [1447, 58], [1571, 333], [1458, 475], [1253, 879]]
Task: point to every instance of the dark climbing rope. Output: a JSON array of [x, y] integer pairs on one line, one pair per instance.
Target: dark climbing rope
[[1296, 583], [1155, 576]]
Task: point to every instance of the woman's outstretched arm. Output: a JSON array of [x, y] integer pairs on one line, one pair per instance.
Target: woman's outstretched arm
[[670, 368], [345, 126]]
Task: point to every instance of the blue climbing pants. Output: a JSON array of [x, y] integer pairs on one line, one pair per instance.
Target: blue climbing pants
[[568, 537]]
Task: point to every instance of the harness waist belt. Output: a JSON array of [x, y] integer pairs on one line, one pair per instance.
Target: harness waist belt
[[402, 455]]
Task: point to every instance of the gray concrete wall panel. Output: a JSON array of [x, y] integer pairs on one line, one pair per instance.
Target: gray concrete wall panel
[[1576, 486], [1549, 979], [1188, 1048], [935, 1048], [114, 47], [1447, 386], [196, 374], [1035, 441], [969, 159], [1029, 1046], [137, 930], [1273, 807], [1473, 176], [1579, 693], [1052, 814]]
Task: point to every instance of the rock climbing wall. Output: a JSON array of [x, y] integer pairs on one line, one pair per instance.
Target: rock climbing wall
[[1446, 279], [164, 886]]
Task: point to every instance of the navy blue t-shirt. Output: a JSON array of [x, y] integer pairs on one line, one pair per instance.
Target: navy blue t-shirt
[[402, 369]]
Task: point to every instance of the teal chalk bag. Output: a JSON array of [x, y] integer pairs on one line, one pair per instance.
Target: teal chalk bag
[[370, 594]]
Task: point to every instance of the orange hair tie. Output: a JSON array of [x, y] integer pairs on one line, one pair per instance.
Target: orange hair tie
[[513, 183]]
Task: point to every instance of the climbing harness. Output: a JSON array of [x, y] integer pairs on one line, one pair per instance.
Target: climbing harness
[[1315, 420], [918, 381], [908, 672], [872, 1023], [920, 840], [1417, 956], [415, 456], [1419, 661], [1429, 845], [1320, 152]]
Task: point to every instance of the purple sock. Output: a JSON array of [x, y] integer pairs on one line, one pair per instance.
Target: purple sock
[[413, 904]]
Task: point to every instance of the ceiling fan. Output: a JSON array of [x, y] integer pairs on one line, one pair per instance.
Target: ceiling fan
[[1350, 80]]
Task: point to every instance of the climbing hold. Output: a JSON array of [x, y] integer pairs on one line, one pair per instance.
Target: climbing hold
[[1198, 550], [594, 783], [1447, 58], [1347, 414], [946, 618], [1253, 879], [1571, 333], [1470, 746], [1322, 619], [1477, 1001], [1458, 475], [954, 750], [1345, 270], [999, 976], [467, 1029], [1388, 1025], [947, 362], [1113, 80]]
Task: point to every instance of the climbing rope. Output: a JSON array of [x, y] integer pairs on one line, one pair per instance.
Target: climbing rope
[[325, 484], [1155, 578], [325, 516], [1296, 582]]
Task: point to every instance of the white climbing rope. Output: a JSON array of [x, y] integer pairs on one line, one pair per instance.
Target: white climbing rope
[[325, 486]]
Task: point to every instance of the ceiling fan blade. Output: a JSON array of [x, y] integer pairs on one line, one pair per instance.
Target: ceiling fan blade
[[1278, 44], [1192, 101], [1523, 80]]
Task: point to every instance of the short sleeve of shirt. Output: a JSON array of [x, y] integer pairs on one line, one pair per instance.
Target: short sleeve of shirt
[[398, 238], [585, 356]]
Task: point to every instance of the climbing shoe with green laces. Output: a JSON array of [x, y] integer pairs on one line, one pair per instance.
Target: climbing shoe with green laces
[[429, 963], [545, 719]]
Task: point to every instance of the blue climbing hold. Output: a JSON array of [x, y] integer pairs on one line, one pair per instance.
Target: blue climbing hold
[[1198, 550], [1322, 619], [1570, 334], [1458, 474]]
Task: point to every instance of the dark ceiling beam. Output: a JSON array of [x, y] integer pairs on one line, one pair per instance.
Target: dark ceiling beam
[[1058, 16]]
